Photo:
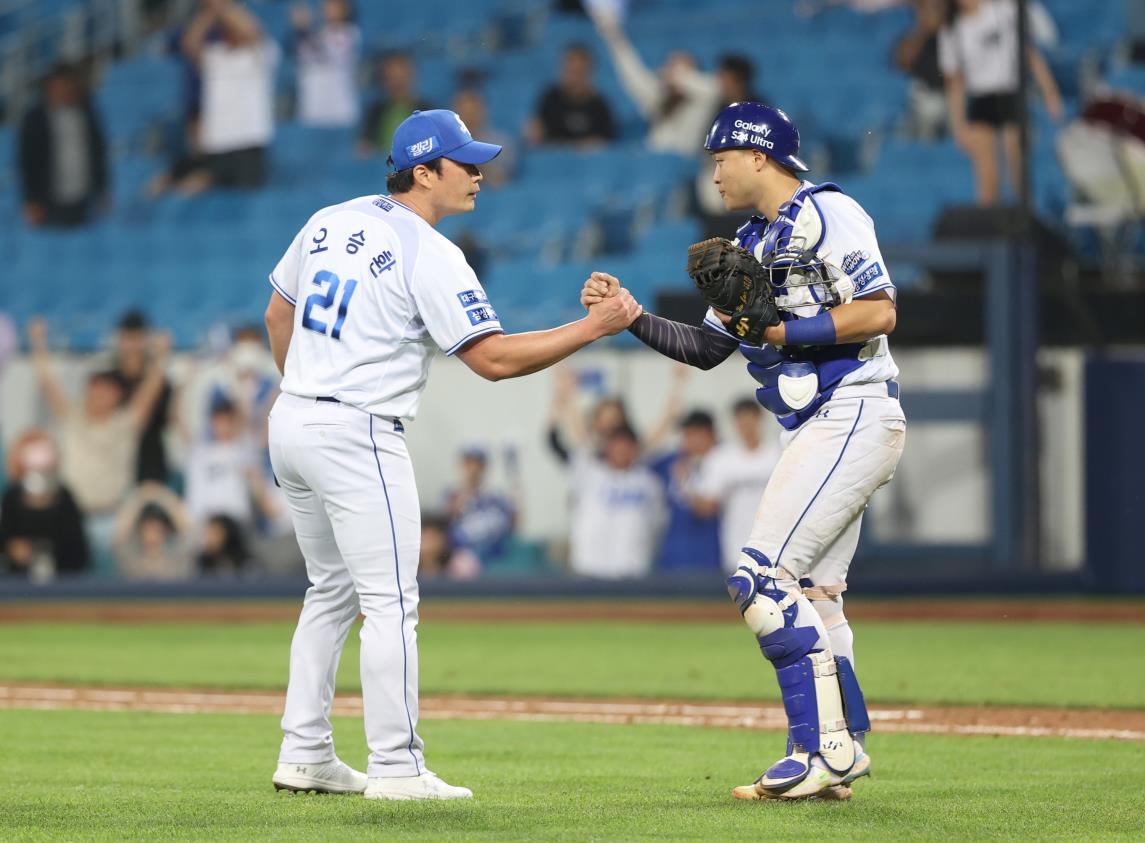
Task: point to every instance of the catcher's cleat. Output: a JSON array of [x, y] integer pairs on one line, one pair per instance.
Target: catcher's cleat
[[815, 780], [836, 793]]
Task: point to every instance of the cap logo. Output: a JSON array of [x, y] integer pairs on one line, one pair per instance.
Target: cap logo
[[461, 123], [422, 147]]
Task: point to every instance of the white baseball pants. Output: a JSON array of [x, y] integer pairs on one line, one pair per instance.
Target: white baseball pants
[[350, 484], [811, 511]]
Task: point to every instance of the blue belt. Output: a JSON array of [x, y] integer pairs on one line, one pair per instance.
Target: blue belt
[[893, 389]]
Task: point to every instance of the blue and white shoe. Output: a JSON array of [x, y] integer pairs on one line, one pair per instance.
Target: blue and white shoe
[[803, 776]]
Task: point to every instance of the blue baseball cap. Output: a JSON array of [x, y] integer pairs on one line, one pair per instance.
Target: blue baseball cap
[[438, 133]]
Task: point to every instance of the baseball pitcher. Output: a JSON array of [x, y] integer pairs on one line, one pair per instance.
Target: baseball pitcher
[[366, 293], [803, 293]]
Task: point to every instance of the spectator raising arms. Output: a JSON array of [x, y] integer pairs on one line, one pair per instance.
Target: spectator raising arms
[[618, 510], [677, 102], [41, 528], [63, 154], [327, 58], [978, 54], [130, 369], [152, 536], [100, 434], [572, 110], [237, 63]]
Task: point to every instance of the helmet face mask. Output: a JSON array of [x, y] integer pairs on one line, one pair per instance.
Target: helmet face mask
[[800, 278]]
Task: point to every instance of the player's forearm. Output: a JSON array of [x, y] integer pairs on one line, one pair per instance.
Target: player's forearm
[[687, 344], [501, 356]]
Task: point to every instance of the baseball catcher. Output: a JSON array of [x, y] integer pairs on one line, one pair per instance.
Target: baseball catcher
[[803, 294]]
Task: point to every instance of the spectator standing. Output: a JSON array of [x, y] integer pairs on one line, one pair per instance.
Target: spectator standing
[[978, 55], [327, 58], [692, 537], [41, 527], [481, 520], [618, 510], [219, 470], [916, 55], [572, 110], [734, 478], [152, 536], [677, 102], [470, 107], [100, 434], [130, 370], [63, 154], [735, 77], [237, 63], [399, 99]]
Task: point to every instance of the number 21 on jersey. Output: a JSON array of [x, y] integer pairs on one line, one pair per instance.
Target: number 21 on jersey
[[328, 283]]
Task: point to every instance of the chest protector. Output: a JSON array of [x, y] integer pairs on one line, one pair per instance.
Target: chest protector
[[795, 381]]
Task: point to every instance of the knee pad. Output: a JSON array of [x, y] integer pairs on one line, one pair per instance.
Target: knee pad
[[807, 676]]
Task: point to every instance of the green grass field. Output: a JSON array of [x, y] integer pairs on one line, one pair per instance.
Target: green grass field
[[961, 663], [123, 776], [74, 775]]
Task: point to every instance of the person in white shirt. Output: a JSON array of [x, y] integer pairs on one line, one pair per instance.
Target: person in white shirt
[[978, 56], [362, 300], [327, 58], [734, 476], [677, 101], [237, 62], [619, 510]]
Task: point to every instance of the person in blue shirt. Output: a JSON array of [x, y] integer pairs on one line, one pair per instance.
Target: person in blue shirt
[[480, 520], [692, 539]]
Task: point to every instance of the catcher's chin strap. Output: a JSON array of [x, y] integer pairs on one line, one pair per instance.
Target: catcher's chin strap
[[821, 696]]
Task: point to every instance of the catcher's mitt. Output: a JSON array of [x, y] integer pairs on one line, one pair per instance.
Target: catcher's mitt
[[732, 281]]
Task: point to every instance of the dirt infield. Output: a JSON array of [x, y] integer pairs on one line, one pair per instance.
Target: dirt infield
[[532, 610], [996, 721]]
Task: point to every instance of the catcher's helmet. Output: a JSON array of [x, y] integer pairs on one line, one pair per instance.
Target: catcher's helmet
[[753, 125]]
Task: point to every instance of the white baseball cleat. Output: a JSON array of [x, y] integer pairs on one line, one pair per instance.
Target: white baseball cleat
[[333, 776], [425, 786]]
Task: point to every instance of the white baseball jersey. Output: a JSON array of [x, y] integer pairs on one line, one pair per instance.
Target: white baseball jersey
[[843, 235], [374, 288], [736, 477], [617, 518]]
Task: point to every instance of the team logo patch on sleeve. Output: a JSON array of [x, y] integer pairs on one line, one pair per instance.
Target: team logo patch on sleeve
[[472, 297], [868, 275], [477, 315], [854, 260]]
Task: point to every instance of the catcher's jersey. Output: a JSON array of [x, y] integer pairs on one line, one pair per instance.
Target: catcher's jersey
[[835, 226], [374, 288]]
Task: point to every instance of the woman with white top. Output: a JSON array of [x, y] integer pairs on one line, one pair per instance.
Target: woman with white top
[[978, 55]]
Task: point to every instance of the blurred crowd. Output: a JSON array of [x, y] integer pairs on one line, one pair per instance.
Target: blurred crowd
[[145, 468], [961, 57]]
